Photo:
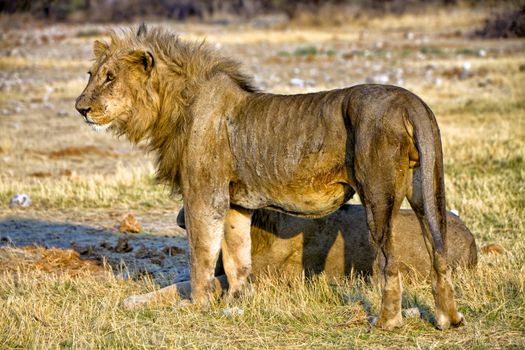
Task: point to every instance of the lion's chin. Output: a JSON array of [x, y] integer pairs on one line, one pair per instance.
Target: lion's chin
[[99, 127]]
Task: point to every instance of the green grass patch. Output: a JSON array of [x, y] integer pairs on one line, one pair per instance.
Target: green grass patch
[[432, 51]]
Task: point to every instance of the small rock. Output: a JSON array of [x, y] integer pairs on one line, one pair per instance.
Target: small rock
[[172, 250], [144, 252], [413, 312], [6, 240], [492, 248], [232, 311], [297, 82], [20, 200], [106, 245], [123, 245], [86, 251], [157, 260], [465, 72], [129, 225]]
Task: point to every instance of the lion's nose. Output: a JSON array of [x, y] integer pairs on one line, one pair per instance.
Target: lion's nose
[[83, 110], [81, 105]]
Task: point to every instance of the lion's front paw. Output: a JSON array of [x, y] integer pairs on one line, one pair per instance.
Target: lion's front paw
[[247, 289], [443, 322], [387, 325]]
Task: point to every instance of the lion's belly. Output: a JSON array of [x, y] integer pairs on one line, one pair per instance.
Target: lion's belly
[[290, 153], [300, 200]]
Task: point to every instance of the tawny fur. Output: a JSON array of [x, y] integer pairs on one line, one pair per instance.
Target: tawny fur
[[230, 150]]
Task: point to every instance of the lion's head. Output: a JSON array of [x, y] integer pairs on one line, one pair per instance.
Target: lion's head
[[120, 86], [141, 83]]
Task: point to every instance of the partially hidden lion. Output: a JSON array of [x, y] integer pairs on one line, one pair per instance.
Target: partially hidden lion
[[230, 149], [337, 244]]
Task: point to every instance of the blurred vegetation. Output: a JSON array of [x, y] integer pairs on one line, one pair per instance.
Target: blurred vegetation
[[123, 10]]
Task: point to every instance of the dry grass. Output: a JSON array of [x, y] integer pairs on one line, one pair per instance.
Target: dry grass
[[135, 188], [483, 128], [48, 311]]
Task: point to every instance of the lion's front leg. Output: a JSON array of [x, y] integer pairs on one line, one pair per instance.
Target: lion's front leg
[[236, 250], [205, 228]]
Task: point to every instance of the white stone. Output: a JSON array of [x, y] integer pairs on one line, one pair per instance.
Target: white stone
[[297, 82], [232, 311], [20, 200]]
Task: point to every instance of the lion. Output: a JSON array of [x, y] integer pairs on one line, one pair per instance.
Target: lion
[[230, 149], [337, 244]]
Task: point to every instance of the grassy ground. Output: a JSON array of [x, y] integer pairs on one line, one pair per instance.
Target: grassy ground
[[474, 86]]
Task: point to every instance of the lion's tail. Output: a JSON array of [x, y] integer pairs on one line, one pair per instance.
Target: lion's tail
[[428, 142]]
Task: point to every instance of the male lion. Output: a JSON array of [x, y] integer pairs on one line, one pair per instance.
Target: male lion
[[335, 244], [231, 149]]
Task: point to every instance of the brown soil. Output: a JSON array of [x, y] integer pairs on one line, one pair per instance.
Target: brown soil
[[52, 260]]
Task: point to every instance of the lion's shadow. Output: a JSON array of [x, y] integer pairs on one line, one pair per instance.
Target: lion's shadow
[[162, 257]]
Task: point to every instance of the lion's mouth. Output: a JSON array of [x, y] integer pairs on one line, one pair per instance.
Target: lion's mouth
[[99, 127], [96, 126]]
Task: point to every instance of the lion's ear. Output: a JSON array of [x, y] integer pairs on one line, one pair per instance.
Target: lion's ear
[[144, 58], [99, 47]]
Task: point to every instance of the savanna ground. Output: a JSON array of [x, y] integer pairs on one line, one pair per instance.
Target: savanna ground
[[82, 183]]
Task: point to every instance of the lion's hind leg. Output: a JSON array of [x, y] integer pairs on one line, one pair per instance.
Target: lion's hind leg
[[236, 251], [440, 273], [382, 194]]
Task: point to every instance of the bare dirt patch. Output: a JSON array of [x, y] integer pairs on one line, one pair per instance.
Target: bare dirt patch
[[50, 260], [81, 151], [162, 256]]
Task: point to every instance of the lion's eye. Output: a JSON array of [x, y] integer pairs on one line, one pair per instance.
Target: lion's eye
[[109, 77]]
